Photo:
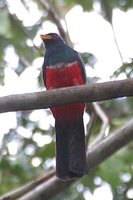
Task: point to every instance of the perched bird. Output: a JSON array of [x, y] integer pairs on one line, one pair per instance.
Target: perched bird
[[64, 67]]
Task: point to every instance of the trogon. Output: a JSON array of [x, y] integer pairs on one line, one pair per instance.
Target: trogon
[[64, 67]]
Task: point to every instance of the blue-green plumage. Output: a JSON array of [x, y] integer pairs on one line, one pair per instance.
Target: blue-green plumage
[[58, 52]]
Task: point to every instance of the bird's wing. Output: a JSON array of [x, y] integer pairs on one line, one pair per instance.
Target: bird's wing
[[81, 63], [44, 73]]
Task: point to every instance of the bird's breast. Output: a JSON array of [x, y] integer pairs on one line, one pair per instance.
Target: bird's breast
[[63, 75]]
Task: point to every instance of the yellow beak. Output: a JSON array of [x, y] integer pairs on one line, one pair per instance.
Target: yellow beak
[[46, 37]]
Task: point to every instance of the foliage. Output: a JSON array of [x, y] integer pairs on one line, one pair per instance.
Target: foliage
[[18, 169]]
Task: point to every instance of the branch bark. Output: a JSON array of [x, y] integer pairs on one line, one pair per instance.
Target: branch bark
[[27, 187], [95, 156], [56, 97]]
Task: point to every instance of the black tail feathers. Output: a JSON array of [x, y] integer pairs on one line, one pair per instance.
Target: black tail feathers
[[70, 150]]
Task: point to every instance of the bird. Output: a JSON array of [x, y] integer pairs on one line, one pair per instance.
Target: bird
[[64, 67]]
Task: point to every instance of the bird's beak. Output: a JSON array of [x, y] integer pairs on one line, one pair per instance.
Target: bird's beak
[[46, 37]]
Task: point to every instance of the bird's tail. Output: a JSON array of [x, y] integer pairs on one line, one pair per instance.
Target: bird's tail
[[70, 150]]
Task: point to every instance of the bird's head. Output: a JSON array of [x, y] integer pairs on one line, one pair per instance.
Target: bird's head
[[51, 39]]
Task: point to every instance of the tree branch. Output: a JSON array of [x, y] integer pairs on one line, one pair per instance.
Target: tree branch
[[95, 156], [27, 187], [55, 19], [56, 97]]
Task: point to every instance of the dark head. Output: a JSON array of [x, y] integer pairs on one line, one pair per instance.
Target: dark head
[[51, 39]]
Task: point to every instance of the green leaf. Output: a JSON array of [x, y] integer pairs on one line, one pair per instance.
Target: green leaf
[[111, 169], [86, 4], [46, 152], [89, 59], [122, 4], [5, 23]]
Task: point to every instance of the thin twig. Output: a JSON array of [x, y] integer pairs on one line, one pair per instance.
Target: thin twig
[[89, 108], [107, 12], [116, 43], [69, 42], [55, 18], [90, 126], [105, 122]]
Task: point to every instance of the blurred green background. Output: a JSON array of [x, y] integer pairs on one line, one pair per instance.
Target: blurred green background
[[27, 139]]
